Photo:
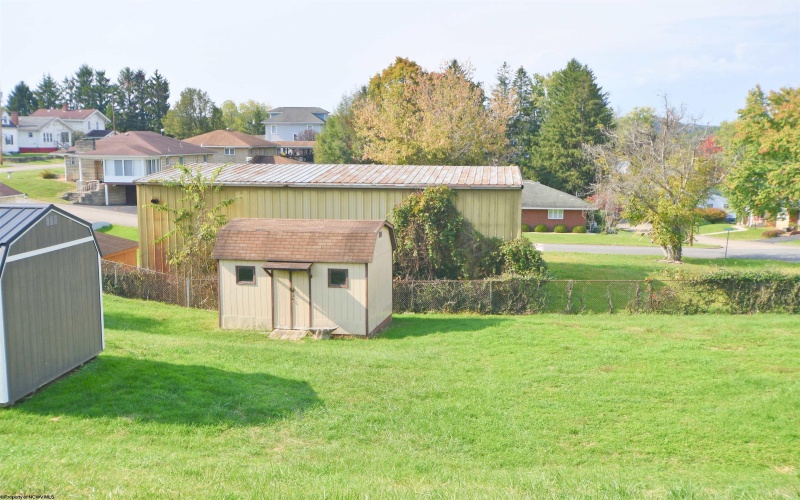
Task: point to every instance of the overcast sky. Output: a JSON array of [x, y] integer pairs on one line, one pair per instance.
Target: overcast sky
[[705, 54]]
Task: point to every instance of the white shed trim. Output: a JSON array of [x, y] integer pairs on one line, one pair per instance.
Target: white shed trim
[[3, 368], [53, 248]]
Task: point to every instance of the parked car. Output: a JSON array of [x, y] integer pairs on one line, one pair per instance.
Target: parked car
[[730, 218]]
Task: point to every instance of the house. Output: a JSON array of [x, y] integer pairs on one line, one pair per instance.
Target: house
[[104, 170], [301, 274], [51, 303], [10, 134], [85, 121], [117, 249], [9, 194], [551, 207], [291, 124], [235, 147], [488, 196], [716, 200], [42, 134]]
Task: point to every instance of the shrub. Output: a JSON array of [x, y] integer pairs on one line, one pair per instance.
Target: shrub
[[48, 174], [711, 215], [561, 228], [772, 233], [526, 228], [522, 259], [751, 291], [540, 228], [579, 229]]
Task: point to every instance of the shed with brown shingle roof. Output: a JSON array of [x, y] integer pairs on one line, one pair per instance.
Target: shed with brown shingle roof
[[305, 274]]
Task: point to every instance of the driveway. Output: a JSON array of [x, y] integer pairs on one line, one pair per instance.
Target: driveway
[[116, 214]]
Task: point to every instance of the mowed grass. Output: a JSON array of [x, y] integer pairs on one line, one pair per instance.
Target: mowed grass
[[439, 406], [714, 228], [31, 183], [622, 238], [131, 233], [584, 266], [751, 233]]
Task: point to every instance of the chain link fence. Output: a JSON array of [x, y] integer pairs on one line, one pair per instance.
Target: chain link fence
[[140, 283]]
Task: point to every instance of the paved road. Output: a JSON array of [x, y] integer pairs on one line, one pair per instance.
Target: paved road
[[21, 167]]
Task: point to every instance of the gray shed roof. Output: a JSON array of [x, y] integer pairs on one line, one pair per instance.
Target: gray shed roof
[[537, 195], [351, 176], [296, 115]]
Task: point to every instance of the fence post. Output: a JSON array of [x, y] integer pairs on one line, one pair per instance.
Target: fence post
[[491, 301], [188, 291], [412, 296], [115, 275]]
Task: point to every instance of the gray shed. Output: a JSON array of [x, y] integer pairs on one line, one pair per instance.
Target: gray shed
[[51, 305]]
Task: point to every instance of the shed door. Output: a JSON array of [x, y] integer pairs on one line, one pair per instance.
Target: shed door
[[301, 309], [283, 299]]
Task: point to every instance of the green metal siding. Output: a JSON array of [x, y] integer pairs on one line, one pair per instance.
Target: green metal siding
[[42, 235]]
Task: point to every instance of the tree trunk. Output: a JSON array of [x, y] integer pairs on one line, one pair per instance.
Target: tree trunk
[[673, 253]]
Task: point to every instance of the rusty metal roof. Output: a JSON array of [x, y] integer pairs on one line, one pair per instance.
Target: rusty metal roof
[[352, 176]]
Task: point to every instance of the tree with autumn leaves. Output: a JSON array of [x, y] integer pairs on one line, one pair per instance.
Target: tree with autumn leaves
[[765, 142]]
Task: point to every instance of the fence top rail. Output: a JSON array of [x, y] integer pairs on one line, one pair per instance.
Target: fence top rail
[[501, 280]]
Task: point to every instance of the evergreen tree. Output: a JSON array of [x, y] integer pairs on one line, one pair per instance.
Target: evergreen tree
[[504, 85], [338, 142], [576, 113], [157, 100], [48, 93], [124, 102], [68, 92], [22, 100], [84, 87], [102, 91]]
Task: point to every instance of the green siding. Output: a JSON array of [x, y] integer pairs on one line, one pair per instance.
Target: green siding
[[42, 235]]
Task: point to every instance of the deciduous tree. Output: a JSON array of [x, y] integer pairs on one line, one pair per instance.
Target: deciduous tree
[[193, 114]]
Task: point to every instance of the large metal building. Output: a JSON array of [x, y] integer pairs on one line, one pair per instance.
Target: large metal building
[[489, 196], [51, 305]]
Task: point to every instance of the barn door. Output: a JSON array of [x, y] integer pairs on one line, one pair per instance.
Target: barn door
[[282, 297], [301, 306]]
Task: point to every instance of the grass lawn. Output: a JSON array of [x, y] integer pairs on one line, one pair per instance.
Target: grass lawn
[[439, 406], [793, 242], [31, 183], [713, 228], [127, 232], [622, 238], [752, 233], [584, 266]]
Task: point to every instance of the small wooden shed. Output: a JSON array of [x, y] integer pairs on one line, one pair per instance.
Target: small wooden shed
[[306, 274], [51, 304], [117, 249]]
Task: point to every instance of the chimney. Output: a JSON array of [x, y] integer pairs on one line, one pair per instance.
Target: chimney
[[15, 118], [83, 145], [64, 107]]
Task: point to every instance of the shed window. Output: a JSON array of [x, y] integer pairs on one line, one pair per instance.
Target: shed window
[[337, 278], [555, 214], [245, 275]]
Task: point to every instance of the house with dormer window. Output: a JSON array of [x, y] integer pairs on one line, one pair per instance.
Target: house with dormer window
[[294, 124]]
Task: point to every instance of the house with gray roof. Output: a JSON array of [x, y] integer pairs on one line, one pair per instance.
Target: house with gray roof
[[294, 124], [544, 205]]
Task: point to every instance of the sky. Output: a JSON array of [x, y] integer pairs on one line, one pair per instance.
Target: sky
[[703, 54]]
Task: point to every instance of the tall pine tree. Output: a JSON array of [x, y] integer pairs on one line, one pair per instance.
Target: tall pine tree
[[157, 100], [576, 113], [21, 100], [48, 93]]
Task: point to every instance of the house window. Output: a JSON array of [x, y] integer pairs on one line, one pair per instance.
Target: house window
[[89, 126], [47, 137], [554, 213], [181, 160], [152, 166], [9, 139], [337, 278], [205, 158], [309, 127], [72, 160], [166, 161], [273, 129], [65, 137], [123, 168], [294, 137], [30, 134], [245, 275], [230, 152]]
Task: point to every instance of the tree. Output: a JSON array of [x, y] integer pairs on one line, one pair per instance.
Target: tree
[[307, 135], [523, 127], [436, 118], [766, 141], [197, 219], [193, 114], [21, 100], [247, 117], [157, 100], [338, 142], [576, 113], [48, 94], [401, 71], [655, 168], [230, 115]]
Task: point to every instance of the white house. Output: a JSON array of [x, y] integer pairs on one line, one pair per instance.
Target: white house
[[716, 200], [10, 134], [43, 134], [287, 124], [79, 120]]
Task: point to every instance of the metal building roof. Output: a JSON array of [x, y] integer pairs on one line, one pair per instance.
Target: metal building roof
[[352, 176], [15, 219]]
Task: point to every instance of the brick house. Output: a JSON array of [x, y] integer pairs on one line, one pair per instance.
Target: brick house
[[231, 146], [551, 207]]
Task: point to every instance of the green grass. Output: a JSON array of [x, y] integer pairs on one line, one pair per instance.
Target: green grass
[[622, 238], [713, 228], [584, 266], [31, 183], [439, 406], [752, 233], [127, 232], [793, 242]]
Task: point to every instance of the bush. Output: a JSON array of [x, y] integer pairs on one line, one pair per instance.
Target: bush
[[48, 174], [579, 229], [541, 228], [711, 215], [751, 291], [772, 233], [526, 228], [522, 259], [561, 228]]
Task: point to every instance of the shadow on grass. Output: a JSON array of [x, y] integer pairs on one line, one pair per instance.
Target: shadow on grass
[[138, 322], [153, 391], [419, 326]]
